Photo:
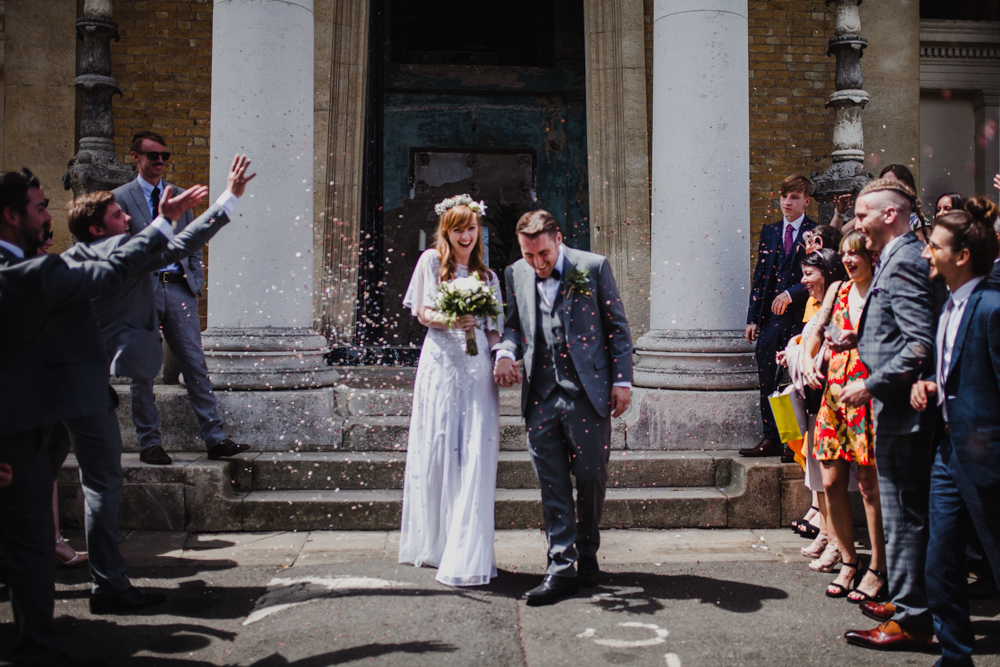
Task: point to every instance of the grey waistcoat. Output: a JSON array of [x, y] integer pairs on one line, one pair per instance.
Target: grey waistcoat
[[553, 365]]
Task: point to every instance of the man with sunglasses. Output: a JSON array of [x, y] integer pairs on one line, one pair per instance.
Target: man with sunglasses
[[178, 290]]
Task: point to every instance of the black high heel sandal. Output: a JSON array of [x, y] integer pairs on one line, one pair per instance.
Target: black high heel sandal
[[799, 524], [842, 591], [880, 595]]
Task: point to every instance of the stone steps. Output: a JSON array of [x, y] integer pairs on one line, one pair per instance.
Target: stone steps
[[647, 489]]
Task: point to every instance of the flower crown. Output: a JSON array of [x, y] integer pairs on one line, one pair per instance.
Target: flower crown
[[479, 208]]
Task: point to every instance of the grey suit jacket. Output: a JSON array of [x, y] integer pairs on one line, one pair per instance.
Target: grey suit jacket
[[132, 200], [896, 335], [597, 330], [127, 314], [53, 363]]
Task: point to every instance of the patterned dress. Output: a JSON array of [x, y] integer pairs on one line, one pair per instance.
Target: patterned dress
[[843, 432]]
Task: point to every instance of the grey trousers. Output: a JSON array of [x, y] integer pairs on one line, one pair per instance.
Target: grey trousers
[[904, 481], [177, 310], [28, 543], [97, 443], [566, 436]]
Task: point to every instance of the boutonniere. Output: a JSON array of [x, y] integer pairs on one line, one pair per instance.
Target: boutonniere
[[578, 281]]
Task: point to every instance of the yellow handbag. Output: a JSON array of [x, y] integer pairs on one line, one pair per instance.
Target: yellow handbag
[[789, 410]]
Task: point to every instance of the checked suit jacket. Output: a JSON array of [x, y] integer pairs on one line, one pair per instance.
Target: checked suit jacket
[[132, 200], [127, 314], [597, 331], [896, 335], [53, 362]]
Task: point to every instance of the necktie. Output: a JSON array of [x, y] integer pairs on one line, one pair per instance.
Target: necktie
[[555, 274], [155, 198], [789, 238]]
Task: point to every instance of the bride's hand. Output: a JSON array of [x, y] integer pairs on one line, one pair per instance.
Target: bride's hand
[[466, 322]]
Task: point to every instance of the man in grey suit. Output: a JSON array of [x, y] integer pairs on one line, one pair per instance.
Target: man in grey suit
[[52, 352], [178, 289], [895, 341], [130, 329], [566, 320]]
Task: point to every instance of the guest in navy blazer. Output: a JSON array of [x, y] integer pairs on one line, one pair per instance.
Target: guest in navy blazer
[[965, 479], [778, 298]]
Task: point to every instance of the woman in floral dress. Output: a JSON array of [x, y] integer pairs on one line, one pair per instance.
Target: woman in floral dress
[[845, 438]]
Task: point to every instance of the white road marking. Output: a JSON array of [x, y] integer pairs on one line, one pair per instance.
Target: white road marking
[[297, 589], [673, 660], [661, 636], [586, 634]]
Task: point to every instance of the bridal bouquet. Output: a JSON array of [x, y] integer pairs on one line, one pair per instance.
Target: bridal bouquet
[[467, 296]]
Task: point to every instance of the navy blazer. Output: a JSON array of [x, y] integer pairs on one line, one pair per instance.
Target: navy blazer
[[972, 394], [777, 272]]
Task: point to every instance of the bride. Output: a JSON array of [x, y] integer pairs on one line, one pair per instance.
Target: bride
[[451, 460]]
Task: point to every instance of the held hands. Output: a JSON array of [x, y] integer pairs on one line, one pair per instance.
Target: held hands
[[855, 394], [920, 394], [172, 208], [751, 333], [237, 180], [506, 373], [780, 303], [620, 399]]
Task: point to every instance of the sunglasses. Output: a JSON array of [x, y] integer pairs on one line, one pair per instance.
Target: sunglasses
[[154, 155], [47, 235]]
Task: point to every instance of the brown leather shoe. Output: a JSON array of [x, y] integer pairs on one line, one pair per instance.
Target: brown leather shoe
[[226, 448], [888, 637], [878, 612], [788, 456], [765, 447], [155, 456]]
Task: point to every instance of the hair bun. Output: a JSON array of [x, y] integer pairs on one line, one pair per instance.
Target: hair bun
[[982, 210]]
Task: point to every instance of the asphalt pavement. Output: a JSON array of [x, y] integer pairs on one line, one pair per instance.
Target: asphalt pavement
[[667, 598]]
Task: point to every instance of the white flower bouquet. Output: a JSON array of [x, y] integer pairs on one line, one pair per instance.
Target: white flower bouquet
[[467, 296]]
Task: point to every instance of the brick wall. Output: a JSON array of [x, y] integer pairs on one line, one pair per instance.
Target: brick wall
[[791, 78], [163, 64]]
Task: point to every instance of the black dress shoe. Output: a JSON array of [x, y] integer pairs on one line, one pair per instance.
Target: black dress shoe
[[983, 589], [226, 448], [588, 571], [124, 601], [155, 456], [788, 456], [552, 589], [765, 447]]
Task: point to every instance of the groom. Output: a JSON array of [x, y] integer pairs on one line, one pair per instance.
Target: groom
[[566, 320]]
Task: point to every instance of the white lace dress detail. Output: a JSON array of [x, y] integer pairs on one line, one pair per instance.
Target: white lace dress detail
[[451, 460]]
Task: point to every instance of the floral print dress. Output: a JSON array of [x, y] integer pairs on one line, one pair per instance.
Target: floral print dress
[[843, 432]]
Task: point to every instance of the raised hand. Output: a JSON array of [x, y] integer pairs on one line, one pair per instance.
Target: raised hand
[[172, 208], [238, 179]]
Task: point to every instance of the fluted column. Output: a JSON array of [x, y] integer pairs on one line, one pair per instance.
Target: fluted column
[[694, 355], [260, 312]]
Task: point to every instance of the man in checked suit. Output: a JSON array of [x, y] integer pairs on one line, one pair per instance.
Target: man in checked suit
[[53, 363], [178, 289], [778, 300], [895, 340], [566, 320]]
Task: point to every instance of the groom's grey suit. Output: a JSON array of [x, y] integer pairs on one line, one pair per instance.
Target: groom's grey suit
[[574, 350]]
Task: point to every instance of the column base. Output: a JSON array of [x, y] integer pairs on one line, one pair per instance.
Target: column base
[[695, 360], [266, 358]]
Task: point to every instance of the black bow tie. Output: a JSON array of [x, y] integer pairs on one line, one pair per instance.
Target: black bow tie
[[555, 274]]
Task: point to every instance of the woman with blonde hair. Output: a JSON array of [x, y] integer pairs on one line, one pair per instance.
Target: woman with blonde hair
[[454, 439]]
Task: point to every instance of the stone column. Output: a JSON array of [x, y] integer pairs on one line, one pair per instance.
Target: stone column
[[260, 313], [694, 355]]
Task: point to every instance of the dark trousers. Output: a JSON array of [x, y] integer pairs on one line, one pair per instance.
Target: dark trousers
[[904, 463], [953, 516], [27, 539], [97, 443], [773, 336], [566, 436]]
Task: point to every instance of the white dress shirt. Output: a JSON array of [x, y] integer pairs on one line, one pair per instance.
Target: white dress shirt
[[794, 224], [951, 319], [548, 290], [13, 248], [147, 191]]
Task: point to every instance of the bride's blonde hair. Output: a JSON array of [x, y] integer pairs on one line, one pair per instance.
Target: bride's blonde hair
[[458, 218]]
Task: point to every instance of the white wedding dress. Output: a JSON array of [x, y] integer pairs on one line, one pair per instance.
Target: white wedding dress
[[451, 458]]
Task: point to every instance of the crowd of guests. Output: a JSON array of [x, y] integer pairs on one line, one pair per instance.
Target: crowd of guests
[[887, 327], [68, 321]]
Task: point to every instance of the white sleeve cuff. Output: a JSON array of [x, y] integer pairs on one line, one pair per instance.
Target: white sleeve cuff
[[627, 385], [227, 200], [164, 227], [505, 354]]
